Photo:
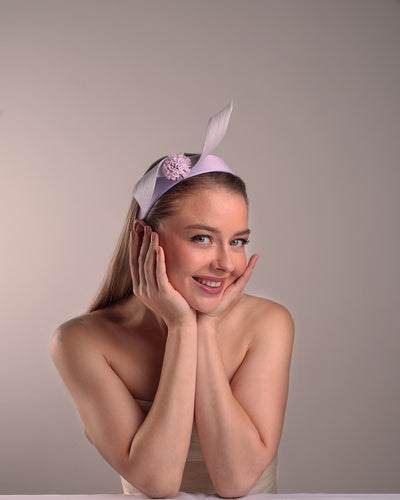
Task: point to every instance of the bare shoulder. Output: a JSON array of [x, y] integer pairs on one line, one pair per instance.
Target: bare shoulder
[[76, 333], [68, 328], [268, 321]]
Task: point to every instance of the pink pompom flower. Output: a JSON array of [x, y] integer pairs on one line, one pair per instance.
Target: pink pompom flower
[[176, 167]]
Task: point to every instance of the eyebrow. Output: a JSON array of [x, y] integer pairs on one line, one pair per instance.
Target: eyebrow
[[210, 229]]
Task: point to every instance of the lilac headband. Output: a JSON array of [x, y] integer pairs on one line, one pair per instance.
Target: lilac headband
[[177, 167]]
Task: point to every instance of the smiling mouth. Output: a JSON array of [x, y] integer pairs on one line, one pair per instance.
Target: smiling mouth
[[211, 284]]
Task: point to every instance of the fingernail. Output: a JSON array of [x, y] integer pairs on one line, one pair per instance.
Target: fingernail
[[147, 230]]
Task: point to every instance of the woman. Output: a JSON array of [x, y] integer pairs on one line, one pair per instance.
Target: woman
[[182, 384]]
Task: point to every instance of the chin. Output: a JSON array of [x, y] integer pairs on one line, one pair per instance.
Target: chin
[[197, 300], [205, 306]]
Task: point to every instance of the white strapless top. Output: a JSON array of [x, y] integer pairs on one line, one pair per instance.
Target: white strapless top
[[195, 475]]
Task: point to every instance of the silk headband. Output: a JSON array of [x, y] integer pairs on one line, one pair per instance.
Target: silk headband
[[177, 167]]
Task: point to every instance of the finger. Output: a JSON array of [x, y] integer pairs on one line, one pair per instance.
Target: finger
[[136, 246], [133, 256], [150, 262], [142, 255], [241, 282], [139, 230], [161, 269]]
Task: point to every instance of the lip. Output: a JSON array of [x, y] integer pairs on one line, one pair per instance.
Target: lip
[[208, 289]]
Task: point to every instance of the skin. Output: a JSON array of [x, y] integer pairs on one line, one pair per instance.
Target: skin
[[220, 358]]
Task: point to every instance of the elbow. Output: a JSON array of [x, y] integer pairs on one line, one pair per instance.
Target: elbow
[[240, 483], [233, 491], [238, 487], [154, 478], [229, 493], [156, 487], [163, 491], [159, 491]]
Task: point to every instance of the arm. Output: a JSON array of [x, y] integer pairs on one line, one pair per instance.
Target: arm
[[240, 424], [149, 452]]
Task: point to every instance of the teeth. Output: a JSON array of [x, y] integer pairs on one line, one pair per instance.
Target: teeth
[[212, 284]]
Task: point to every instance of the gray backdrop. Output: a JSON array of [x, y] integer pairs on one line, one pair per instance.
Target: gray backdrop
[[92, 91]]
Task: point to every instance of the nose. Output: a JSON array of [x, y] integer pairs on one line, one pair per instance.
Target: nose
[[223, 260]]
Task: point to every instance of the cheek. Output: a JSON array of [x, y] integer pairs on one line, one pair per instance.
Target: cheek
[[177, 261]]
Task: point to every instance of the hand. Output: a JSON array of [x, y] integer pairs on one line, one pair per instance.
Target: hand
[[232, 295], [150, 280]]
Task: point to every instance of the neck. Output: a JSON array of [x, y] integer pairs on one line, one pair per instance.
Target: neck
[[132, 311]]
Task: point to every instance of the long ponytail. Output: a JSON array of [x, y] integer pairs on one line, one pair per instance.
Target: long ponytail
[[117, 283]]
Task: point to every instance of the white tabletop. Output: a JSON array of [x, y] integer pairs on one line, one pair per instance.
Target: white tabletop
[[187, 496]]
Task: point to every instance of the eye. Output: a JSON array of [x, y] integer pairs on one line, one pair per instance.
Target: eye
[[201, 238], [239, 242]]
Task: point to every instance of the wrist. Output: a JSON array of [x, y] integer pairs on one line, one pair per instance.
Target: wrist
[[207, 324], [182, 324]]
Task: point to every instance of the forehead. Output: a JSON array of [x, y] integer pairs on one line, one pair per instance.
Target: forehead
[[211, 205]]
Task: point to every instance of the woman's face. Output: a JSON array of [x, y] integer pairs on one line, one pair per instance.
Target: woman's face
[[204, 245]]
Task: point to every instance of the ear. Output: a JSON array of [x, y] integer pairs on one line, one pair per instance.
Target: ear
[[139, 223]]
